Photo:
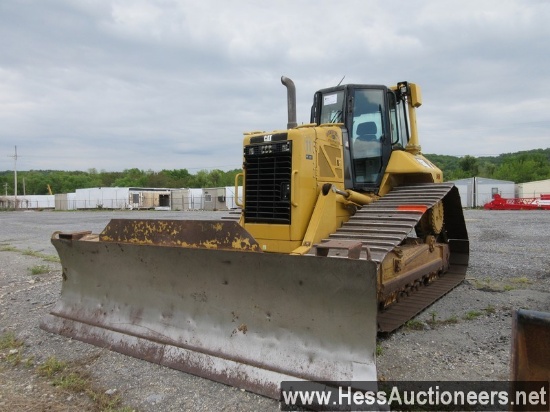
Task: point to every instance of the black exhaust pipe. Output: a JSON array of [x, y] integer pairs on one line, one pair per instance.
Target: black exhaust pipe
[[291, 102]]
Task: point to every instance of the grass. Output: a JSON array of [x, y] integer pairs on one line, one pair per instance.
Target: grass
[[29, 252], [72, 381], [414, 324], [490, 309], [29, 362], [472, 314], [43, 256], [9, 341], [434, 322], [51, 367], [12, 346], [488, 285], [522, 280], [107, 403], [39, 269], [70, 376]]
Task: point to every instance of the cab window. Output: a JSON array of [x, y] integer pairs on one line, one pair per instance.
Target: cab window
[[398, 123], [367, 134], [332, 107]]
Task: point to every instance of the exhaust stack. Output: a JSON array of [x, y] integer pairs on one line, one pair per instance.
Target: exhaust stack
[[291, 101]]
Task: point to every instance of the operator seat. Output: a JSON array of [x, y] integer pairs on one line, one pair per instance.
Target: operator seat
[[367, 131], [367, 153], [367, 144]]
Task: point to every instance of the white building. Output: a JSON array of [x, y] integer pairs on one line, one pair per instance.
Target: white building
[[231, 199], [196, 199], [122, 198], [219, 198], [27, 202], [214, 198], [65, 201], [102, 198], [181, 199], [533, 189], [476, 191]]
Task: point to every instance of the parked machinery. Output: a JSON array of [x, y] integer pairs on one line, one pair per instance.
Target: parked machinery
[[346, 230]]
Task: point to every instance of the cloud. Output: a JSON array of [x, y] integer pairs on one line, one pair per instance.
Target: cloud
[[116, 84]]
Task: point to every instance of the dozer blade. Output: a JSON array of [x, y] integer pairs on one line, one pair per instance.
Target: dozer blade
[[248, 319]]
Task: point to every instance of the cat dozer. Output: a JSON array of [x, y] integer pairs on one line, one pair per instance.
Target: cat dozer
[[345, 230]]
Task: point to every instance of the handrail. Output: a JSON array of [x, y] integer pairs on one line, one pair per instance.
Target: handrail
[[240, 204]]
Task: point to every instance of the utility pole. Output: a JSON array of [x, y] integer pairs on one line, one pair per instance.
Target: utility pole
[[15, 178]]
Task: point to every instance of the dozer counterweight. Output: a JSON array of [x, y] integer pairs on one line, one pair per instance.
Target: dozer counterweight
[[345, 230]]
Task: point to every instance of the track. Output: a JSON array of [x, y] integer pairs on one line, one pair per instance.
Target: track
[[385, 224]]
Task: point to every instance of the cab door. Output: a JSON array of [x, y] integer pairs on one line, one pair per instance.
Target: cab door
[[369, 136]]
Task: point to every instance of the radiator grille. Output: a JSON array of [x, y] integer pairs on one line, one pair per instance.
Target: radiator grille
[[267, 182]]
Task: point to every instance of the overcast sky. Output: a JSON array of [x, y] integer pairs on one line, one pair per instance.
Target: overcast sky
[[170, 84]]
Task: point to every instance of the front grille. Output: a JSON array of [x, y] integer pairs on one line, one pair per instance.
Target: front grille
[[267, 182]]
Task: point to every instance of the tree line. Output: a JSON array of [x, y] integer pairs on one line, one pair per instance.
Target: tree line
[[519, 167], [36, 182]]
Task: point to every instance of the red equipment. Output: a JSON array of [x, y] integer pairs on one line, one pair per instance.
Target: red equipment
[[519, 203]]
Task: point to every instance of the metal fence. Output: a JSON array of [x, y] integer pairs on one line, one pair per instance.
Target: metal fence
[[64, 202]]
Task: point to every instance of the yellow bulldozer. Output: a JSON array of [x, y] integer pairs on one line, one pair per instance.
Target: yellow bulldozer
[[345, 230]]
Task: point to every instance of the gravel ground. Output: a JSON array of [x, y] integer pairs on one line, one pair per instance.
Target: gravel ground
[[463, 336]]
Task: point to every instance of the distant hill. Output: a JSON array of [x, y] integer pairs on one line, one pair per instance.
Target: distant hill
[[519, 167]]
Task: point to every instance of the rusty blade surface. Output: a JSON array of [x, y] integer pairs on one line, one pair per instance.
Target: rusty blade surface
[[246, 319], [207, 234], [530, 346]]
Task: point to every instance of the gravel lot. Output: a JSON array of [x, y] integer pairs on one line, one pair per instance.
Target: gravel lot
[[464, 336]]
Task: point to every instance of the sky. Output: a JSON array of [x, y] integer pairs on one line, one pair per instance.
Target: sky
[[173, 84]]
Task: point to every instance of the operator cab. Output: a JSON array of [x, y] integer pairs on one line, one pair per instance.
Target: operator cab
[[374, 123]]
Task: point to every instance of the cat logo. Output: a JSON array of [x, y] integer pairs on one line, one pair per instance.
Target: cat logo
[[267, 138], [332, 134]]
